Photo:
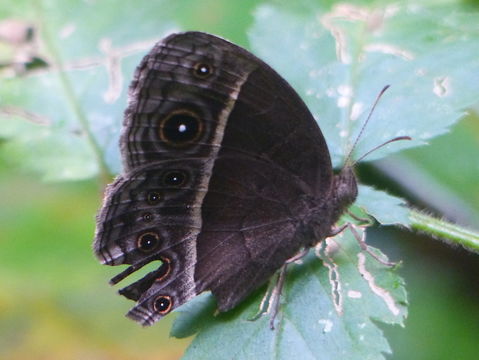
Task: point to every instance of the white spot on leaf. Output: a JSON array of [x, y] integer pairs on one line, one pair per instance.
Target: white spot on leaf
[[332, 21], [345, 90], [343, 101], [379, 291], [329, 248], [391, 10], [442, 86], [67, 30], [420, 72], [327, 325], [390, 50], [356, 110], [355, 294], [345, 94]]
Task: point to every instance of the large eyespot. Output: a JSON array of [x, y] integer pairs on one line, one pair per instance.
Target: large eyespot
[[175, 178], [149, 241], [202, 70], [180, 128], [163, 304], [153, 197]]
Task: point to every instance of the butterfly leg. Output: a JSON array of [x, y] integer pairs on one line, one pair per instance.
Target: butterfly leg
[[366, 221], [276, 295], [337, 230], [271, 300], [298, 256], [361, 239], [278, 288]]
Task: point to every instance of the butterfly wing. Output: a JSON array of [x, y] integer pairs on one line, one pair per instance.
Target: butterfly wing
[[264, 115], [255, 164]]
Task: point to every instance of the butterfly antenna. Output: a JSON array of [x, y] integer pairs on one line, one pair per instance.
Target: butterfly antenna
[[398, 138], [348, 158]]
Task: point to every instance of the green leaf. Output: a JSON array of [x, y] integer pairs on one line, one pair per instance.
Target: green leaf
[[340, 58], [327, 309], [194, 314], [385, 208], [443, 176], [67, 116], [92, 49]]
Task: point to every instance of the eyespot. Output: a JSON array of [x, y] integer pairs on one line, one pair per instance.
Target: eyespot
[[153, 197], [147, 217], [175, 178], [165, 269], [180, 128], [163, 304], [202, 70], [149, 241]]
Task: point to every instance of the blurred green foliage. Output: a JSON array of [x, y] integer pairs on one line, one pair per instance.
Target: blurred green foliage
[[54, 302]]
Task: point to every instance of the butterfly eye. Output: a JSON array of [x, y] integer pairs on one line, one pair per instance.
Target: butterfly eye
[[147, 242], [202, 70], [153, 197], [180, 128], [175, 178], [163, 304]]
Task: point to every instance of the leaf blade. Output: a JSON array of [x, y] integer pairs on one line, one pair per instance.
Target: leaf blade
[[420, 66], [321, 317]]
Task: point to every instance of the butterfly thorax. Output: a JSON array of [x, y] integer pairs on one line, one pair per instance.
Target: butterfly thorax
[[327, 211], [344, 190]]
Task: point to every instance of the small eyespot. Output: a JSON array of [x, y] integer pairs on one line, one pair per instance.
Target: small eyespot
[[180, 128], [149, 241], [147, 217], [153, 197], [174, 178], [202, 70], [163, 304]]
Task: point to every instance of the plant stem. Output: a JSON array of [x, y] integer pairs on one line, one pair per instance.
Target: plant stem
[[450, 233], [71, 97]]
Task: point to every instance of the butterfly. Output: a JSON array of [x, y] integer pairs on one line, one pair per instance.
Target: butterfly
[[226, 176]]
